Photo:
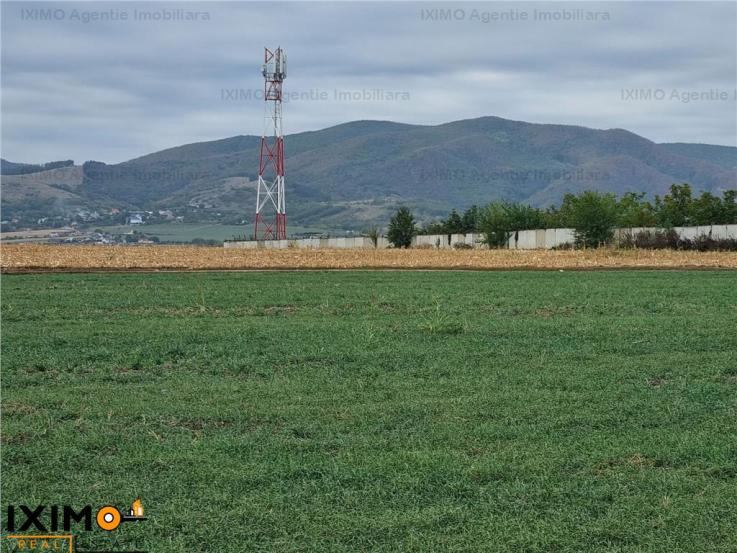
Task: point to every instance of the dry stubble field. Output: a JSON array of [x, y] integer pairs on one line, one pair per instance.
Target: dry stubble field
[[22, 258]]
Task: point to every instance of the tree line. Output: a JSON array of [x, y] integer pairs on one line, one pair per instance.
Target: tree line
[[594, 216]]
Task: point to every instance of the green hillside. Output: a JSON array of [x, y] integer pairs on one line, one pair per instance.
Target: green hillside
[[353, 175], [726, 156]]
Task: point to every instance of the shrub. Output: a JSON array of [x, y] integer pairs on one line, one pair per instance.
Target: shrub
[[373, 235], [402, 228], [706, 243], [462, 246], [651, 240], [500, 219], [669, 239], [205, 242], [594, 216]]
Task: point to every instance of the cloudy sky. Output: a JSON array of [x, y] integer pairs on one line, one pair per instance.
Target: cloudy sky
[[111, 81]]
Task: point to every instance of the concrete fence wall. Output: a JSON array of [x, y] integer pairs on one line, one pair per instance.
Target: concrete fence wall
[[539, 239], [551, 238], [358, 242], [444, 241]]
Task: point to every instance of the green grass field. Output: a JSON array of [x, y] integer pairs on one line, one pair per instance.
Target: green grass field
[[378, 411]]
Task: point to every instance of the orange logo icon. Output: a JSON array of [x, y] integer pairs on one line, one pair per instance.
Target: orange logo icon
[[109, 517]]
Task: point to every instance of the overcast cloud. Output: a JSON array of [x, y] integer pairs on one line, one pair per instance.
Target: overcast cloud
[[143, 78]]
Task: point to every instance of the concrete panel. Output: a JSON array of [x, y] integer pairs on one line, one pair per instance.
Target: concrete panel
[[364, 242], [474, 240], [565, 236], [431, 240], [539, 239], [513, 242], [551, 239], [621, 233], [719, 232], [457, 239], [441, 241], [526, 240], [731, 231], [244, 244], [704, 230], [687, 232]]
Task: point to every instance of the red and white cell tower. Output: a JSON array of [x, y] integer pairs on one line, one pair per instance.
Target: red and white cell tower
[[270, 192]]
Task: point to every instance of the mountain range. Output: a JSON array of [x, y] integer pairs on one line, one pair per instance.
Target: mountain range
[[353, 175]]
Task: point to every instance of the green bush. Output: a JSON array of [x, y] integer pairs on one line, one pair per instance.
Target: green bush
[[402, 228], [456, 223], [500, 219], [594, 217]]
